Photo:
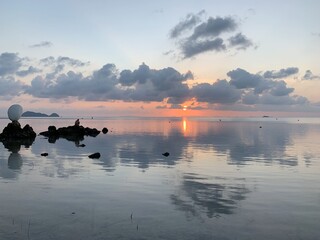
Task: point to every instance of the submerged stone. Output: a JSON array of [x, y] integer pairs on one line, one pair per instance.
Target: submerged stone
[[95, 155]]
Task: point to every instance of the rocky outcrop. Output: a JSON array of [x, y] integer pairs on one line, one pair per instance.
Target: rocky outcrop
[[74, 133], [13, 135], [14, 131]]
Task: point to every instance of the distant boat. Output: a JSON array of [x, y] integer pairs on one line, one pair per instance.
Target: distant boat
[[265, 116]]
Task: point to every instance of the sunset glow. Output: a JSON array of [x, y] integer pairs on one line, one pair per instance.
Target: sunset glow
[[176, 63]]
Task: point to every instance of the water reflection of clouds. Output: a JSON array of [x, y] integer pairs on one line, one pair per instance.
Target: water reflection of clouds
[[240, 143], [214, 197]]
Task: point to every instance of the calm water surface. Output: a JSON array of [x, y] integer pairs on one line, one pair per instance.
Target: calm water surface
[[228, 179]]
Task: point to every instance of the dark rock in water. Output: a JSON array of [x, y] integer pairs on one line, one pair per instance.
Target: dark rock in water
[[166, 154], [13, 136], [260, 127], [13, 131], [74, 133], [44, 154], [95, 155], [52, 128], [105, 130], [81, 145]]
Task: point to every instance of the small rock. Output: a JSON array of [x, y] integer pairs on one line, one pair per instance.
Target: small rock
[[95, 155], [166, 154], [260, 127], [82, 145], [105, 130], [44, 154]]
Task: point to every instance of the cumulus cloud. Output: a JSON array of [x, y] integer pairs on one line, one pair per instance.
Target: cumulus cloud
[[218, 92], [280, 89], [41, 44], [282, 73], [30, 70], [186, 24], [214, 27], [167, 85], [240, 41], [310, 76], [142, 84], [9, 63], [9, 87], [208, 35], [192, 48]]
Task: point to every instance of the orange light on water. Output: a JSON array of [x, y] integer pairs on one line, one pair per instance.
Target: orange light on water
[[184, 124]]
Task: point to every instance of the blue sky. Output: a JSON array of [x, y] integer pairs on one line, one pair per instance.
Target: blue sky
[[217, 46]]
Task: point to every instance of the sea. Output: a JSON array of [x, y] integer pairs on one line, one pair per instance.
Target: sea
[[224, 178]]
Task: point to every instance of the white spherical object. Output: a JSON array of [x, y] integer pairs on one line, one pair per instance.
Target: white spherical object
[[14, 112]]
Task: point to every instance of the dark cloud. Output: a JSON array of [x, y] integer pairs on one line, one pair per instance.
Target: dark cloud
[[143, 84], [41, 44], [186, 24], [30, 70], [240, 41], [250, 98], [9, 87], [192, 48], [218, 92], [9, 63], [282, 73], [207, 35], [213, 27], [280, 89], [310, 76], [242, 79]]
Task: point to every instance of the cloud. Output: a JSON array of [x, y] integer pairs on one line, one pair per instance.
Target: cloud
[[9, 63], [282, 73], [240, 41], [186, 24], [280, 89], [71, 62], [207, 35], [242, 79], [192, 48], [310, 76], [214, 27], [218, 92], [9, 87], [30, 70], [41, 44], [142, 84]]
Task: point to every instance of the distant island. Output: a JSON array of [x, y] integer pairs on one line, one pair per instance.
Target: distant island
[[35, 114]]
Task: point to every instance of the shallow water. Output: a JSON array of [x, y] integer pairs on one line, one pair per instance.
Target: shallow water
[[227, 179]]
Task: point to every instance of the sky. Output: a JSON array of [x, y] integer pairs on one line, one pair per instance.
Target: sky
[[161, 58]]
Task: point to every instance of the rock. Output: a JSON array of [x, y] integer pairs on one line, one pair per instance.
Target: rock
[[44, 154], [105, 130], [166, 154], [95, 155], [14, 131], [81, 145], [14, 112], [73, 133]]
